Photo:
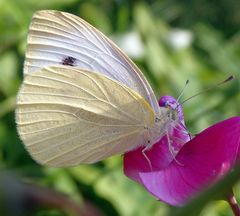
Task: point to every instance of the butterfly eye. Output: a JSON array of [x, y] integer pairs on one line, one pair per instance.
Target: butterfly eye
[[174, 115], [169, 114]]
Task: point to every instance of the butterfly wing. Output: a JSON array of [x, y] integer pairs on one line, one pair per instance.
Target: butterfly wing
[[61, 38], [67, 116]]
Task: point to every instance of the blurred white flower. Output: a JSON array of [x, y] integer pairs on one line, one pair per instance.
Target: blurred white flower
[[130, 43], [180, 38]]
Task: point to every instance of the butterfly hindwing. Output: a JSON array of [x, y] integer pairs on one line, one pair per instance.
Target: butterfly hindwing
[[67, 116]]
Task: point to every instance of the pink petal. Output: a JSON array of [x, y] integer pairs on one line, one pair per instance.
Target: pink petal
[[135, 162], [159, 154], [203, 160]]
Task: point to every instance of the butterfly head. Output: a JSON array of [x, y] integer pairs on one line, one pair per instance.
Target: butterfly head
[[168, 117], [173, 108], [172, 114]]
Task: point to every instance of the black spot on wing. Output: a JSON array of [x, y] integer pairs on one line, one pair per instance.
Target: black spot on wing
[[68, 61]]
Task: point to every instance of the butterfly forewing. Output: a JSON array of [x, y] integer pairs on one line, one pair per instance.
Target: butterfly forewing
[[58, 38], [67, 116]]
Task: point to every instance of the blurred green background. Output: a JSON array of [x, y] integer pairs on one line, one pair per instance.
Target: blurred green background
[[171, 41]]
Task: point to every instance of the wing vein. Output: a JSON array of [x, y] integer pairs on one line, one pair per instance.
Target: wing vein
[[92, 149]]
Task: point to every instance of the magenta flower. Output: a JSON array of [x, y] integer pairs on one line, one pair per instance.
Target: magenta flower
[[198, 162]]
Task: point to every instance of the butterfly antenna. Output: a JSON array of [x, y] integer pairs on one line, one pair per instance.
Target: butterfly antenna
[[180, 95], [210, 88]]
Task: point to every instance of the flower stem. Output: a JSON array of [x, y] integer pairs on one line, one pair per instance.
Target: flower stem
[[233, 203]]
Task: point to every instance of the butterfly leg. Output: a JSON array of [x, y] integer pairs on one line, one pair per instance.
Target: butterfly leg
[[183, 127], [146, 157], [171, 150]]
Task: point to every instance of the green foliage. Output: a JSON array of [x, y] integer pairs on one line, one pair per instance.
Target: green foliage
[[210, 54]]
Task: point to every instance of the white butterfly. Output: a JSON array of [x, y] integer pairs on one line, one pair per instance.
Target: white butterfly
[[82, 99]]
